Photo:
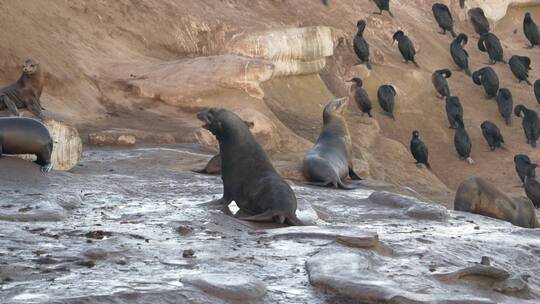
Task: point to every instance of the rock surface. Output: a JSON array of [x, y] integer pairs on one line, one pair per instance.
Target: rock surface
[[234, 287]]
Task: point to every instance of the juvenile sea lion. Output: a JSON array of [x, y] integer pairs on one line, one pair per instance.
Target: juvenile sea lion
[[505, 104], [360, 45], [531, 124], [405, 46], [532, 189], [530, 29], [361, 96], [476, 195], [386, 95], [536, 87], [438, 78], [444, 18], [462, 141], [487, 78], [453, 109], [479, 20], [20, 135], [492, 134], [491, 44], [212, 167], [419, 150], [330, 161], [524, 167], [247, 173], [25, 92], [383, 5], [520, 66], [459, 54]]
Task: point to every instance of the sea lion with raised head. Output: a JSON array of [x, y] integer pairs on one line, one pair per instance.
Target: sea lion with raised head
[[459, 54], [505, 104], [530, 123], [19, 135], [249, 178], [330, 161], [476, 195], [25, 92], [442, 15]]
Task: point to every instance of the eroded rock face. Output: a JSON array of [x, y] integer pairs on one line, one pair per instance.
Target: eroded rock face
[[228, 286], [496, 9], [410, 206]]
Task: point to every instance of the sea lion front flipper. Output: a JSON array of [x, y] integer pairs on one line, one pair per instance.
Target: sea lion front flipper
[[34, 107], [12, 107], [222, 202], [47, 168], [353, 174]]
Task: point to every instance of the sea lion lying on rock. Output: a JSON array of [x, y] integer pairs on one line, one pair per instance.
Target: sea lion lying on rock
[[248, 176], [476, 195]]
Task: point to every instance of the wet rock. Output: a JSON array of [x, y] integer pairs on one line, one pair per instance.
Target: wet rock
[[97, 254], [228, 286], [412, 207], [487, 271], [348, 235], [188, 254], [37, 211], [98, 234], [306, 213]]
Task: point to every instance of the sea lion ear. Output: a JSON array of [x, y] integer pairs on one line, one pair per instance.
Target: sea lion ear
[[249, 124]]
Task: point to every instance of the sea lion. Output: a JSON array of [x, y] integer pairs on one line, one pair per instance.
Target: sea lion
[[536, 89], [405, 46], [532, 190], [20, 135], [462, 141], [505, 104], [524, 167], [247, 173], [476, 195], [383, 5], [361, 96], [360, 45], [453, 109], [530, 123], [444, 18], [491, 44], [487, 78], [479, 20], [330, 161], [386, 95], [212, 167], [520, 66], [419, 150], [530, 29], [438, 78], [25, 92], [492, 134], [459, 54]]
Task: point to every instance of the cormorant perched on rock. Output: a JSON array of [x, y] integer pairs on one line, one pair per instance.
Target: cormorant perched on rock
[[406, 47], [531, 124], [419, 150], [532, 189], [479, 20], [487, 78], [505, 104], [383, 5], [524, 167], [530, 29], [459, 54], [520, 66], [462, 141], [360, 45], [386, 95], [361, 96], [491, 44], [438, 78], [453, 110], [492, 134], [444, 18]]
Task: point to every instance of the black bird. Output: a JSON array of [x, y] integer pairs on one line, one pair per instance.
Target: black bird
[[444, 18], [491, 44], [492, 134], [361, 96], [459, 54], [537, 90], [419, 150], [524, 167], [530, 29], [386, 95], [479, 21], [532, 189], [531, 124], [406, 47], [520, 66], [453, 109], [383, 5], [438, 78], [462, 141], [462, 3], [360, 45], [487, 78], [326, 2], [505, 104]]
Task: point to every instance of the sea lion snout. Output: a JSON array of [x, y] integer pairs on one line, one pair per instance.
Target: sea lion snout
[[29, 66], [205, 117]]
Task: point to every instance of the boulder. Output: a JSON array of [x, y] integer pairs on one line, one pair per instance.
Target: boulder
[[228, 286]]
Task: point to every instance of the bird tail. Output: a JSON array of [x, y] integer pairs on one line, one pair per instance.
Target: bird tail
[[453, 33], [468, 71], [428, 166]]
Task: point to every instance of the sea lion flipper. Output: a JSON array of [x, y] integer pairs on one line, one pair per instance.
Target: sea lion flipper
[[47, 168], [33, 106], [271, 216], [12, 107], [222, 202], [353, 174], [343, 186]]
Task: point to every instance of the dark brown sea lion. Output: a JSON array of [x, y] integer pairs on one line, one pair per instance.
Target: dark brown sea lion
[[329, 162], [248, 176], [25, 92], [213, 166], [475, 195], [26, 136]]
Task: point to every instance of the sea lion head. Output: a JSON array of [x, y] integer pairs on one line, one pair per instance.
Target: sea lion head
[[222, 122], [30, 66], [334, 107]]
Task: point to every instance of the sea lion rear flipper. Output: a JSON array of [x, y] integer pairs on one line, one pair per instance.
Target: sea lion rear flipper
[[343, 186], [270, 216], [12, 107], [353, 174], [319, 184]]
